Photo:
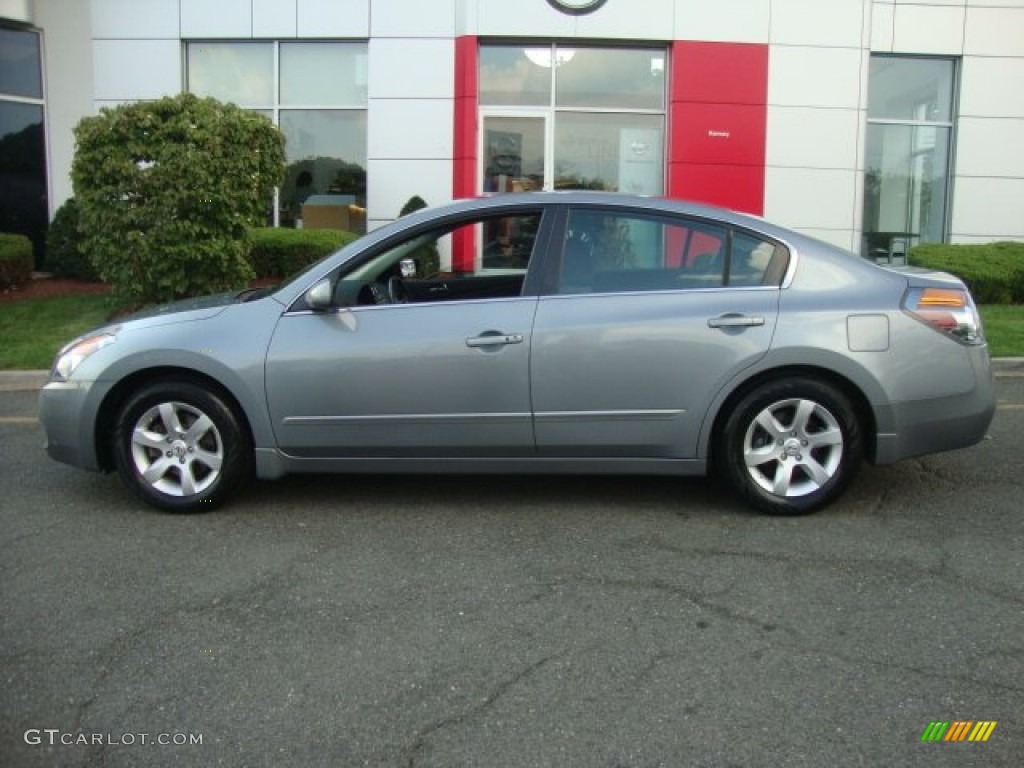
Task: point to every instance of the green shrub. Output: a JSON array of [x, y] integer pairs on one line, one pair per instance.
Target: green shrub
[[427, 257], [15, 260], [166, 191], [282, 252], [64, 254], [993, 271]]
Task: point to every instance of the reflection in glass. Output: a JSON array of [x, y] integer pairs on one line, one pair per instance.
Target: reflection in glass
[[23, 206], [515, 76], [905, 186], [242, 73], [908, 88], [20, 73], [513, 154], [323, 74], [611, 78], [611, 152], [325, 181]]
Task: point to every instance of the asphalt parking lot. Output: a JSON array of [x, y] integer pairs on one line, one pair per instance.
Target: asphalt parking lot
[[425, 621]]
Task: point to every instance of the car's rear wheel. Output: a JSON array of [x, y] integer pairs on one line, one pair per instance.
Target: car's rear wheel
[[180, 447], [791, 446]]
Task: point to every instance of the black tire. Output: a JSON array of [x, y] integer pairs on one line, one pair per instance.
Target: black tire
[[809, 436], [191, 464]]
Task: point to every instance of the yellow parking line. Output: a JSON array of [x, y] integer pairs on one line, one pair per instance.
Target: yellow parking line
[[18, 420]]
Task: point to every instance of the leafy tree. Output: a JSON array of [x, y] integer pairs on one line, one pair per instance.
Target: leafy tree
[[166, 190]]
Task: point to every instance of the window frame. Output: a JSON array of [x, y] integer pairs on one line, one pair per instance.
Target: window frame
[[276, 107], [552, 269], [949, 125]]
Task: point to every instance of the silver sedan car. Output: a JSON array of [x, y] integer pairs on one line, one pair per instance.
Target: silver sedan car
[[538, 333]]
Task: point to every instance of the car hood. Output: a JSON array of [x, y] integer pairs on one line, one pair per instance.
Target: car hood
[[197, 308]]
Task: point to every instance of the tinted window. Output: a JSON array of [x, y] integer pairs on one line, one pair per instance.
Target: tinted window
[[484, 258], [612, 252]]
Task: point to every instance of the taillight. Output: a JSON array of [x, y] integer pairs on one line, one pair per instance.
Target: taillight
[[948, 310]]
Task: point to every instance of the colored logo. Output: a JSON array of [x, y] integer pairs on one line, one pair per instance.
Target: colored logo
[[959, 730]]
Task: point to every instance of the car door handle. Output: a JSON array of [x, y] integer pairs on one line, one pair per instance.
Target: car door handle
[[735, 321], [494, 339]]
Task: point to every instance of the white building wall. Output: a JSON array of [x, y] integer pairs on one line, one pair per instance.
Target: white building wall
[[411, 105], [987, 198], [68, 87], [816, 112], [988, 185], [124, 50]]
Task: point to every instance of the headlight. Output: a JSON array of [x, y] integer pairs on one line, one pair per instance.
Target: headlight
[[72, 355]]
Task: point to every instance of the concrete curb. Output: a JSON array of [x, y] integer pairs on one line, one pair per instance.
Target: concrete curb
[[22, 381], [29, 381]]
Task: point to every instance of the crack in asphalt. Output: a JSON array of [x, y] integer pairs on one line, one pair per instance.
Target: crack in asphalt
[[425, 734]]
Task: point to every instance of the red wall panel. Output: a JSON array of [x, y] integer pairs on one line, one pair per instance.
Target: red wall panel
[[466, 109], [717, 123]]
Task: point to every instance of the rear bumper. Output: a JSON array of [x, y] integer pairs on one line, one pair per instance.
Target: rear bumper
[[941, 424]]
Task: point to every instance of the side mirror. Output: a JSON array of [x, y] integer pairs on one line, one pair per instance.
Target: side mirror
[[320, 295]]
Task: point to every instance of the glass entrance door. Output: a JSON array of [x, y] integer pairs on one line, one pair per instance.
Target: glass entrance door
[[515, 153]]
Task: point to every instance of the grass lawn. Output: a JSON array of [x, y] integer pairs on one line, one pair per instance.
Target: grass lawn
[[1004, 329], [32, 331]]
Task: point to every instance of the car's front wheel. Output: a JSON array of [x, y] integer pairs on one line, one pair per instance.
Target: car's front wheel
[[791, 446], [180, 447]]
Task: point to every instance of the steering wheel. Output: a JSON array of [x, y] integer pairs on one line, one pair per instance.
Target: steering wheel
[[397, 294]]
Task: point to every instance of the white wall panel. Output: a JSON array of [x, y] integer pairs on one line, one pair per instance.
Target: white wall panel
[[883, 18], [224, 18], [989, 208], [534, 18], [926, 2], [410, 128], [128, 70], [401, 68], [134, 19], [814, 77], [836, 23], [809, 197], [806, 137], [730, 21], [929, 29], [994, 3], [841, 238], [990, 87], [392, 182], [990, 147], [17, 10], [412, 18], [994, 32], [650, 20], [274, 18], [334, 18], [68, 88]]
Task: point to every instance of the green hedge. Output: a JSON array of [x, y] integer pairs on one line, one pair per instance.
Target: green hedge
[[993, 271], [64, 254], [282, 252], [15, 260]]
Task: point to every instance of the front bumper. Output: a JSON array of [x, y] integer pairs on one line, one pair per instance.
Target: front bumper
[[67, 411]]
